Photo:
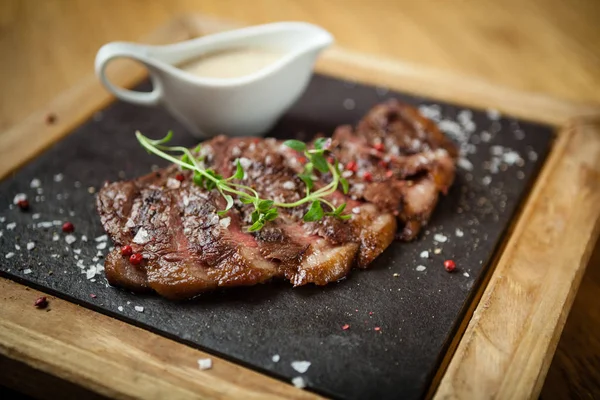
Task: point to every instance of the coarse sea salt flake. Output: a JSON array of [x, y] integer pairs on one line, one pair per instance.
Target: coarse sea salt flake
[[532, 155], [289, 185], [35, 183], [27, 271], [19, 197], [58, 177], [465, 164], [493, 114], [84, 238], [431, 111], [299, 382], [421, 268], [55, 237], [459, 232], [224, 222], [173, 183], [30, 246], [70, 239], [424, 254], [204, 363], [511, 157], [90, 273], [9, 255], [101, 246], [276, 358], [36, 216], [102, 238], [356, 210], [77, 251], [301, 366], [17, 247], [438, 237], [466, 274], [11, 226], [245, 162], [120, 308], [139, 308], [141, 237]]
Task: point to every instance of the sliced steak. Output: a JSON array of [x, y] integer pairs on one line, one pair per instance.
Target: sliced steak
[[396, 161], [187, 249], [399, 161]]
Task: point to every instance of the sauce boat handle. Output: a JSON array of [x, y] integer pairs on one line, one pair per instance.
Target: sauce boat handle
[[113, 50]]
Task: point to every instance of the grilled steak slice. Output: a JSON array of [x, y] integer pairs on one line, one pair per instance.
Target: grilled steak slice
[[397, 163], [187, 248], [316, 252]]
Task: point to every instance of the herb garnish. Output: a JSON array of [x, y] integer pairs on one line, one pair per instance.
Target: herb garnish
[[264, 209]]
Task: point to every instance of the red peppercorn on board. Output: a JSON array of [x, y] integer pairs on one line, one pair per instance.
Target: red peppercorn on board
[[410, 301], [401, 329]]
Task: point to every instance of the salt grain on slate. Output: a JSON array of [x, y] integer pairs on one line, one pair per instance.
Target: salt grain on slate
[[466, 274], [27, 271], [83, 238], [204, 363], [11, 226], [19, 197], [101, 246], [424, 254], [17, 247], [139, 308], [77, 251], [465, 164], [120, 308], [102, 238], [459, 232], [349, 104], [276, 358], [35, 183], [438, 237], [58, 177], [433, 112], [492, 114], [421, 268], [70, 239], [36, 216], [55, 237], [30, 246], [299, 382], [301, 366], [9, 255]]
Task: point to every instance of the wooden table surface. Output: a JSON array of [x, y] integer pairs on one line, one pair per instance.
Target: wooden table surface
[[546, 46]]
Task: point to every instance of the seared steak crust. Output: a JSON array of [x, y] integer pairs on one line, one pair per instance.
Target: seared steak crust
[[397, 163]]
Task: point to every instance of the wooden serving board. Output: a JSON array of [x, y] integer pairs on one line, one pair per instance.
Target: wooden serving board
[[507, 344]]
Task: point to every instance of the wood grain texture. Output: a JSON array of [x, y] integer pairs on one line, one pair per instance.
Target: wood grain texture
[[75, 105], [510, 340], [576, 351], [118, 360], [543, 46]]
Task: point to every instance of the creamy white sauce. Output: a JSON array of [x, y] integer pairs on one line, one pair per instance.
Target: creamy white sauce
[[232, 63]]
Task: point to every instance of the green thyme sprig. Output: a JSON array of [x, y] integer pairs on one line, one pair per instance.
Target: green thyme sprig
[[265, 210]]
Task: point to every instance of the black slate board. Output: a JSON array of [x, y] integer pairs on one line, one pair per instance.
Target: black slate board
[[416, 311]]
